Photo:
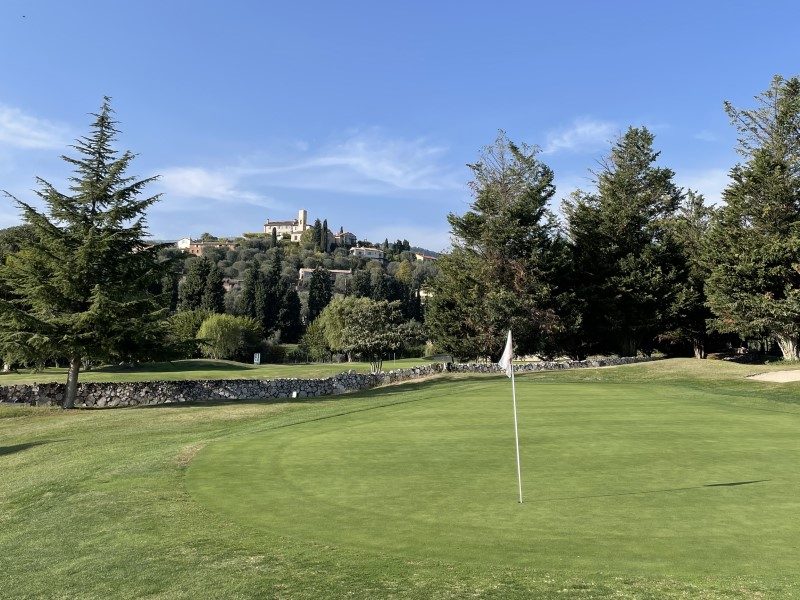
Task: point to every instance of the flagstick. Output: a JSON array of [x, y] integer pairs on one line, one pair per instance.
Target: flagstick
[[516, 431]]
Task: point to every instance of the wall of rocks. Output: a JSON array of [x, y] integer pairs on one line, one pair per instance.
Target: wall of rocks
[[113, 395]]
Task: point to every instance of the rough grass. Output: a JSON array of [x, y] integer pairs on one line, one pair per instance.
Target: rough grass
[[97, 504], [199, 369]]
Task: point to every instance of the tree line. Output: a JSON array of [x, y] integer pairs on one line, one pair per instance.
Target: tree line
[[637, 262]]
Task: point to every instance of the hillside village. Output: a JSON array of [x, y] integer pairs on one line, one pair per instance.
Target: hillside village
[[296, 266]]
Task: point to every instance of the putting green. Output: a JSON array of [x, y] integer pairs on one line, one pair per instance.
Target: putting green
[[649, 480]]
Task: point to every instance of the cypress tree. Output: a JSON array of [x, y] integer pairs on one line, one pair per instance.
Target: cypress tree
[[323, 245], [289, 321], [213, 298], [190, 295], [81, 282], [320, 292]]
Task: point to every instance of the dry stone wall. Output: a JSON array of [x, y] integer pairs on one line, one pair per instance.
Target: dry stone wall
[[113, 395]]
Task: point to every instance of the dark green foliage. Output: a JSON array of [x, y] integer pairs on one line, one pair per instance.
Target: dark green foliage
[[361, 284], [320, 292], [626, 264], [82, 281], [213, 299], [289, 318], [193, 286], [323, 243], [754, 242], [500, 274], [690, 311]]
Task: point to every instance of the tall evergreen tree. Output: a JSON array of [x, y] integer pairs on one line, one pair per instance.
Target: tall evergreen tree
[[289, 322], [317, 234], [625, 261], [274, 238], [690, 312], [190, 294], [500, 273], [323, 243], [213, 299], [754, 242], [320, 292], [81, 282]]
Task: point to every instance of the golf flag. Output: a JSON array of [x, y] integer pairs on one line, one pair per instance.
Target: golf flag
[[505, 360], [505, 363]]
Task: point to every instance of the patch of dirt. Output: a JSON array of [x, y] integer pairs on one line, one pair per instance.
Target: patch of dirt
[[187, 453], [778, 376]]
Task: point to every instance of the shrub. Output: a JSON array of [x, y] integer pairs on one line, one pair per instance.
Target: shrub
[[229, 337], [182, 331]]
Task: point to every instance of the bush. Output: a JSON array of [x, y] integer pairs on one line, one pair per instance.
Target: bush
[[229, 337], [182, 331]]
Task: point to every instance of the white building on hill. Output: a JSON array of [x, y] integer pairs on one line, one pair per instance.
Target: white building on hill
[[293, 228], [368, 253]]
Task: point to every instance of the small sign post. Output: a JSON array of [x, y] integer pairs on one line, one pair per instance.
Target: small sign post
[[257, 358]]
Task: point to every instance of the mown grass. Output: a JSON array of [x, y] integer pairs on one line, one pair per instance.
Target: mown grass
[[408, 492], [199, 369]]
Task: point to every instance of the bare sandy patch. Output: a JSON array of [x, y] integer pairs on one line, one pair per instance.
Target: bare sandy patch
[[778, 376]]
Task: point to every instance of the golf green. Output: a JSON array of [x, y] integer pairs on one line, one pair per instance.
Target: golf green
[[650, 480]]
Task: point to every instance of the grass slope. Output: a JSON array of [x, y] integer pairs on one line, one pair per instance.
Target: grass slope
[[200, 369], [408, 492]]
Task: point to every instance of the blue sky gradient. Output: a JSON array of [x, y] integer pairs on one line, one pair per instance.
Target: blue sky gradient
[[366, 113]]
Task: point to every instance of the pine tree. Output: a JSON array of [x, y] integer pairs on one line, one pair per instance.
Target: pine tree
[[624, 260], [81, 283], [500, 273], [754, 240]]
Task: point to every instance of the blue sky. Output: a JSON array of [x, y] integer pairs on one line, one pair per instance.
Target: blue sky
[[366, 113]]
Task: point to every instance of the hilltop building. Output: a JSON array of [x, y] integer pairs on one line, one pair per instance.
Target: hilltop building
[[294, 229], [368, 253], [197, 247]]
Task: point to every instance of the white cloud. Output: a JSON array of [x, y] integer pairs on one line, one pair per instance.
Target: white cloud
[[20, 130], [196, 182], [584, 135], [363, 162], [709, 182]]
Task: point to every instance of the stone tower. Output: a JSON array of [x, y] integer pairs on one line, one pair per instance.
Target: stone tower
[[302, 219]]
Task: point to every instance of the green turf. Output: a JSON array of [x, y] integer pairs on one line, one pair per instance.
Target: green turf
[[409, 492], [200, 369]]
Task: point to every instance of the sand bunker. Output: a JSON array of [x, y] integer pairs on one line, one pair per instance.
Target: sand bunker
[[778, 376]]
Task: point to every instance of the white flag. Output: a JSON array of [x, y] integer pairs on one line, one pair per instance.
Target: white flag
[[508, 353]]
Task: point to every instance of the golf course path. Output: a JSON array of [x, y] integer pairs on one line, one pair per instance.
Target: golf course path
[[778, 376]]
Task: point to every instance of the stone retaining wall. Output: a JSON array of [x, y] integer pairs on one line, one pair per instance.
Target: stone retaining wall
[[112, 395]]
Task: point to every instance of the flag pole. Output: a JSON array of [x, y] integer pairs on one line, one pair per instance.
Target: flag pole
[[516, 431]]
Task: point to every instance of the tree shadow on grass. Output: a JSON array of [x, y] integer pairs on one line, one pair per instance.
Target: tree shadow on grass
[[660, 491], [6, 450]]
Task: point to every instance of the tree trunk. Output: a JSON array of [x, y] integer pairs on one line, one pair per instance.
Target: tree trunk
[[699, 348], [72, 382], [628, 346], [789, 346]]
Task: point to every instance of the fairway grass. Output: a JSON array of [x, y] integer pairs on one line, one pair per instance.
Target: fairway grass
[[675, 479]]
